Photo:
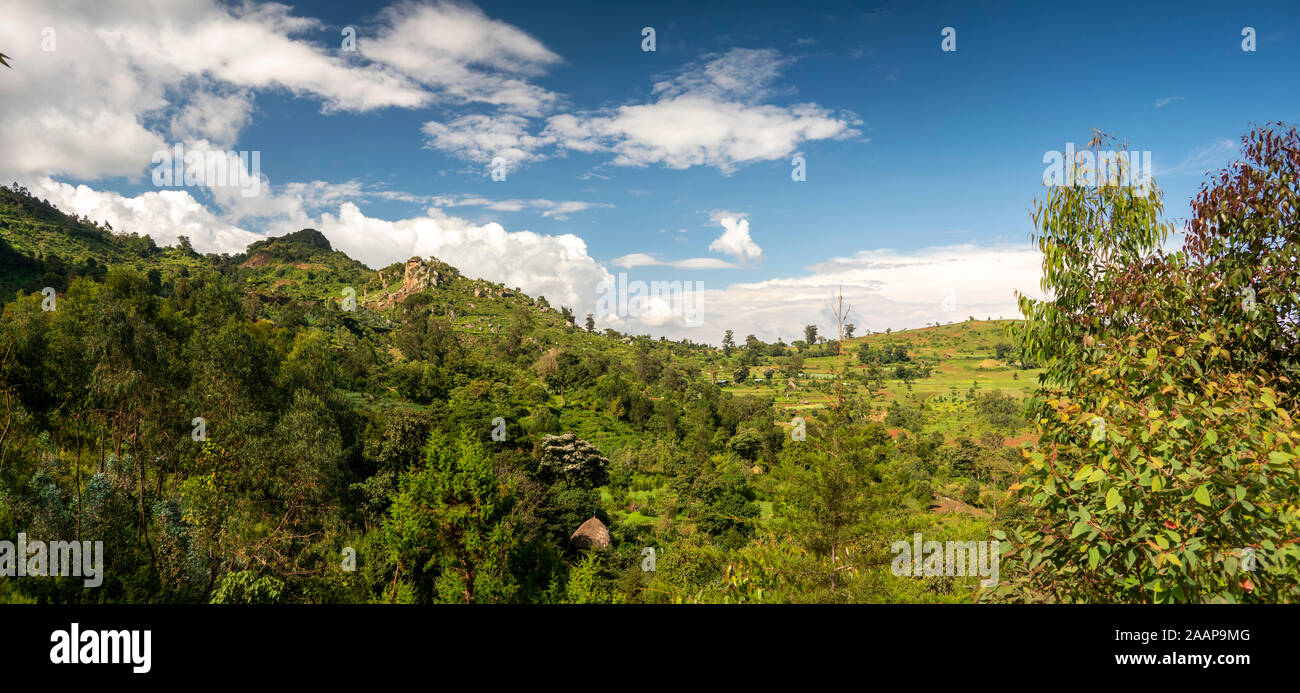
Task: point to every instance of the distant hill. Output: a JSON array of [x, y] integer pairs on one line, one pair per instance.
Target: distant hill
[[280, 278], [36, 240], [963, 340]]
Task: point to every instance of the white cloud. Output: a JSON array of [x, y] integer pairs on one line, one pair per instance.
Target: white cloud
[[557, 267], [646, 260], [126, 77], [292, 203], [88, 107], [191, 70], [735, 240], [254, 47], [246, 193], [124, 74], [547, 208], [463, 55], [708, 115], [212, 117], [741, 74], [1161, 103], [482, 138], [886, 288], [163, 215]]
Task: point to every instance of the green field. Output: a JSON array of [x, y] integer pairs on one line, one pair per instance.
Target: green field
[[963, 357]]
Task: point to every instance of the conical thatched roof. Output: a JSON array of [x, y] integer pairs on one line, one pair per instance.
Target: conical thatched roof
[[593, 534]]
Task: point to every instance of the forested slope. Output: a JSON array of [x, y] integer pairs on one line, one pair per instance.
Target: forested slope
[[249, 428]]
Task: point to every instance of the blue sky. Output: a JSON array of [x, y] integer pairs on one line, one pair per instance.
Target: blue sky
[[922, 165]]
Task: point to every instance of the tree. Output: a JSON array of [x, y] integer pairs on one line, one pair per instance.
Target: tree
[[1244, 237], [728, 343], [904, 373], [1167, 438], [448, 534], [794, 366], [810, 334], [570, 458], [720, 501], [754, 349], [831, 522], [591, 322], [747, 443], [740, 374], [848, 330]]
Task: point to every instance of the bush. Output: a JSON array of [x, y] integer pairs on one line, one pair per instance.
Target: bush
[[1001, 411], [903, 416]]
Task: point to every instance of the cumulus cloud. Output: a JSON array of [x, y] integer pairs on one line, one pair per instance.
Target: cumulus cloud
[[735, 240], [463, 55], [163, 215], [234, 182], [256, 47], [212, 117], [132, 62], [711, 115], [190, 69], [557, 267], [291, 204]]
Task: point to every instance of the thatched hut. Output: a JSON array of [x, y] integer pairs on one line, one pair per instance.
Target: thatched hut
[[593, 534]]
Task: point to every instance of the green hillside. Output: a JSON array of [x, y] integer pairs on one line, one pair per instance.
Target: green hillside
[[233, 427], [417, 346]]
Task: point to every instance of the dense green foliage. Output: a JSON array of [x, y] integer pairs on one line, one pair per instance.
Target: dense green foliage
[[236, 429], [1168, 439]]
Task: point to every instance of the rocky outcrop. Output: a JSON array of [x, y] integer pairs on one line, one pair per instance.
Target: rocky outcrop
[[418, 276], [486, 289], [259, 259]]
